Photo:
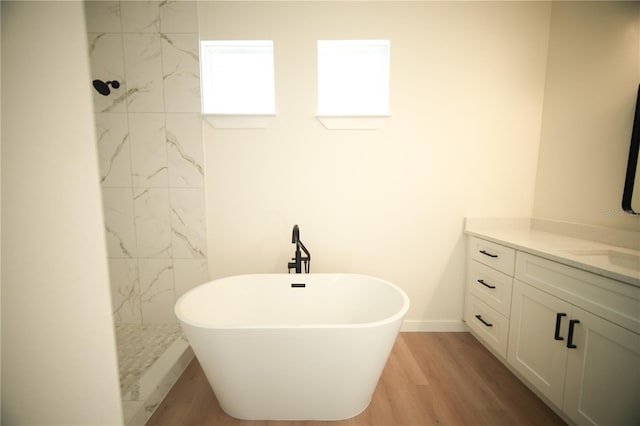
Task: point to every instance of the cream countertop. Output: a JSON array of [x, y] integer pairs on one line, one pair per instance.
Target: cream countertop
[[603, 251]]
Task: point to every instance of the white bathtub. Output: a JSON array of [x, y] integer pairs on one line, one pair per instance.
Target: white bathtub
[[293, 347]]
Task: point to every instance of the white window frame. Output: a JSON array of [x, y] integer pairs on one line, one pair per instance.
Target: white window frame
[[343, 92], [241, 87]]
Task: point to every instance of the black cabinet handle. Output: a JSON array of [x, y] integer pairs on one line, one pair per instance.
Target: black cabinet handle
[[486, 253], [483, 321], [558, 320], [485, 284], [570, 344]]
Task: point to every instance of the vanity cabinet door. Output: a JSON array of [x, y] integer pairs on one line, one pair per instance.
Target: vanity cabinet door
[[535, 349], [603, 373]]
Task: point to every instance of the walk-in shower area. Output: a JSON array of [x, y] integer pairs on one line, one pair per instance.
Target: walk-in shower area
[[146, 96]]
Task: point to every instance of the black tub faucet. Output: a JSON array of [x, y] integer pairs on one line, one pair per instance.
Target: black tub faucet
[[298, 259]]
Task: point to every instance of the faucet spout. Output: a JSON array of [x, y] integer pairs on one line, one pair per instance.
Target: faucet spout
[[295, 235]]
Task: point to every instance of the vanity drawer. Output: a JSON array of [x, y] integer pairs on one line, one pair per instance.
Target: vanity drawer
[[491, 254], [490, 286], [491, 327]]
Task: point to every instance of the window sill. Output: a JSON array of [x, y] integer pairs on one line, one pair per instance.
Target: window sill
[[352, 122], [239, 121]]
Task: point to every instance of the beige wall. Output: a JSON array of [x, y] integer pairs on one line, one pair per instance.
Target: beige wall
[[467, 81], [58, 348], [592, 79]]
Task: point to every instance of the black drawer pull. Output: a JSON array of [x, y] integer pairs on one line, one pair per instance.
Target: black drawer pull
[[485, 284], [483, 321], [558, 320], [570, 344], [486, 253]]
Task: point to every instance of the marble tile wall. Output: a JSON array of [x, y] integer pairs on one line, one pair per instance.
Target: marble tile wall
[[150, 152]]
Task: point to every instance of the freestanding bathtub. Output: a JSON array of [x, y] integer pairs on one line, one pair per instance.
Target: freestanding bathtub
[[293, 347]]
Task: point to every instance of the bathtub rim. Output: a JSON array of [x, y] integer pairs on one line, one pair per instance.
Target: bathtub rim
[[406, 304]]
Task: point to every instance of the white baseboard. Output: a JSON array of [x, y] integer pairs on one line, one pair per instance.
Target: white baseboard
[[434, 325]]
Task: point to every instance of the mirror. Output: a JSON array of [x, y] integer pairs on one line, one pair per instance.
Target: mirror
[[631, 198]]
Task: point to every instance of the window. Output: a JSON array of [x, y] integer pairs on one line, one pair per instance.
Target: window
[[237, 77], [353, 77]]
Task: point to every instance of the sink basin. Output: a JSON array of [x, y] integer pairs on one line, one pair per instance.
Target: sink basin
[[618, 258]]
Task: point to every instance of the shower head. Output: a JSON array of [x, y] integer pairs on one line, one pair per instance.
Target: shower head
[[103, 88]]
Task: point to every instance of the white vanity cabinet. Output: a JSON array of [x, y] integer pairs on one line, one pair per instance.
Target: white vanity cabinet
[[574, 336]]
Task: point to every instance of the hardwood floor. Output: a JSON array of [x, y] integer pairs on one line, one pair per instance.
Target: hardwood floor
[[430, 379]]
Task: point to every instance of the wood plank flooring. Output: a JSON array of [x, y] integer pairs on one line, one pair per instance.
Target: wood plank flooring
[[430, 379]]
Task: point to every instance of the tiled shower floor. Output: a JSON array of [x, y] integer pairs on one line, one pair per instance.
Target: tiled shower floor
[[151, 357], [139, 346]]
